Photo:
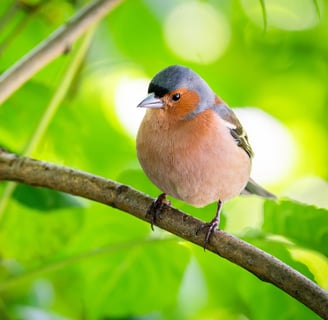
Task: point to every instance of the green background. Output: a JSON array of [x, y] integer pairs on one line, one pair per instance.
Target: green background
[[68, 258]]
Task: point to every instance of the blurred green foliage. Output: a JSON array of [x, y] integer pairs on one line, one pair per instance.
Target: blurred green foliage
[[67, 258]]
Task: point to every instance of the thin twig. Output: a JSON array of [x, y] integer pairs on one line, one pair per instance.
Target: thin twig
[[122, 197], [55, 45]]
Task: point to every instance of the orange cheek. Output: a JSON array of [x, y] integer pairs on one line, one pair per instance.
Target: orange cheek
[[186, 105]]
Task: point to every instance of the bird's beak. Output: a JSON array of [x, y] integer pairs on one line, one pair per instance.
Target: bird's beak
[[151, 102]]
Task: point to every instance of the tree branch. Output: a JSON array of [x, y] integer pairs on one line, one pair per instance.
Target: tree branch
[[56, 44], [122, 197]]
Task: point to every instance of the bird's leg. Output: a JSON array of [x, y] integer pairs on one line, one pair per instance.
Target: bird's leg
[[156, 207], [212, 225]]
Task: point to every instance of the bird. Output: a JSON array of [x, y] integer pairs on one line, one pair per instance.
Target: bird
[[192, 146]]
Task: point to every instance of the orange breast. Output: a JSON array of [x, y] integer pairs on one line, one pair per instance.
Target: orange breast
[[196, 161]]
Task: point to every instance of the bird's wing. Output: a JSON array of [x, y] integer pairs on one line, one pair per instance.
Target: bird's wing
[[236, 129]]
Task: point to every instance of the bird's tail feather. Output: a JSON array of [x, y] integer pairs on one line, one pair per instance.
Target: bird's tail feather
[[254, 188]]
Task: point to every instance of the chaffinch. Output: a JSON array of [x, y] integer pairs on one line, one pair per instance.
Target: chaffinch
[[191, 144]]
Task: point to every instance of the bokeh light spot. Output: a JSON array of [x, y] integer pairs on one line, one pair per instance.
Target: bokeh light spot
[[129, 92], [273, 145], [197, 32], [310, 190]]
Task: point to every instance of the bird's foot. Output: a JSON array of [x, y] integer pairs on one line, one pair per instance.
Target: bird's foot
[[211, 227], [156, 207]]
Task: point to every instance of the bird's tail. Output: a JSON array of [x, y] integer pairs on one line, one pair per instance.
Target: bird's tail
[[254, 188]]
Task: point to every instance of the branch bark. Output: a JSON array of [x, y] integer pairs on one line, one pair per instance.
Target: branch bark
[[55, 45], [264, 266]]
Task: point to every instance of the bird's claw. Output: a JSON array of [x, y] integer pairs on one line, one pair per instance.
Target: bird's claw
[[211, 226], [156, 207]]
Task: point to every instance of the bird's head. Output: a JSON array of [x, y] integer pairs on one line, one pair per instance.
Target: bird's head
[[180, 92]]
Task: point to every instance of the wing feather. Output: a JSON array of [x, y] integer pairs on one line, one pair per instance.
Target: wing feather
[[235, 127]]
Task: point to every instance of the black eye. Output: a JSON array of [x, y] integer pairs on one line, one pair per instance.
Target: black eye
[[176, 97]]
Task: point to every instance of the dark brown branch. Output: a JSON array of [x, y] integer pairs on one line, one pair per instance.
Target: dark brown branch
[[55, 45], [122, 197]]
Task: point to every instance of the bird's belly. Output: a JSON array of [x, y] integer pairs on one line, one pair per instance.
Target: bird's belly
[[198, 170], [199, 182]]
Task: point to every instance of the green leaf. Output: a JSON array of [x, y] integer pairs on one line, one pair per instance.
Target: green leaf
[[303, 224], [151, 42], [130, 266], [45, 199], [141, 279], [232, 292], [26, 119], [28, 236]]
